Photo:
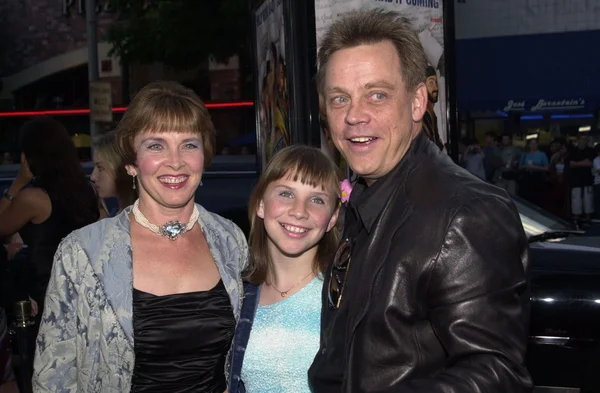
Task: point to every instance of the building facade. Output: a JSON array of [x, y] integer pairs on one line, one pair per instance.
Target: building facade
[[44, 54], [528, 64]]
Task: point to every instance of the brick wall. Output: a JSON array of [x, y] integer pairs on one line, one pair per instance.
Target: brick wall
[[36, 30]]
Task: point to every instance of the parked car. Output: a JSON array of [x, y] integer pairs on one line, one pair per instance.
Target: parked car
[[564, 334]]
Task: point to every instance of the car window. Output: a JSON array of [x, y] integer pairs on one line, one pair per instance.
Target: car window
[[536, 220]]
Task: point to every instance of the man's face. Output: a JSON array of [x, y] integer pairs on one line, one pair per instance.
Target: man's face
[[582, 142], [505, 141], [533, 145], [371, 116], [432, 89]]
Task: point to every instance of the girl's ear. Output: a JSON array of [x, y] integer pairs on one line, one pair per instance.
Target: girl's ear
[[261, 209], [334, 218]]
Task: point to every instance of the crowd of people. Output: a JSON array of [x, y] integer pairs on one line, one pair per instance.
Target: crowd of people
[[563, 179], [422, 289]]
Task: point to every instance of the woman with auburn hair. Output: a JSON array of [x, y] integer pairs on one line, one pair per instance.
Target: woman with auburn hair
[[293, 211], [109, 175], [131, 295]]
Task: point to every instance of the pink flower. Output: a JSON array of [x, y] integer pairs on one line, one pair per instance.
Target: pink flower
[[346, 187]]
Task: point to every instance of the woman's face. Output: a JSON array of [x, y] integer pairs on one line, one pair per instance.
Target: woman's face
[[103, 177], [168, 167], [563, 150]]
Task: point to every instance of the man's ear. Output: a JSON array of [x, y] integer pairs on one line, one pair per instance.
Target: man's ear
[[419, 103], [333, 219]]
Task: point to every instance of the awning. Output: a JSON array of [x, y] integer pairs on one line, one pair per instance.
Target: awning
[[533, 73]]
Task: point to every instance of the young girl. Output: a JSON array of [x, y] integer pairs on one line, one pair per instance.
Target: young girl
[[293, 211], [109, 176]]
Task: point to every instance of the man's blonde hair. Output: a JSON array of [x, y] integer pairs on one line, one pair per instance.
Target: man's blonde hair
[[373, 27]]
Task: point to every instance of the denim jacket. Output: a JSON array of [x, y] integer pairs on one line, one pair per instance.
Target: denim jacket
[[242, 335], [85, 342]]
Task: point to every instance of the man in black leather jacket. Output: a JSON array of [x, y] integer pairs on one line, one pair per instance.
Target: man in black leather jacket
[[428, 290]]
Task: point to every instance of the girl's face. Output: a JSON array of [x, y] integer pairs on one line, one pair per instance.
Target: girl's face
[[103, 177], [296, 216]]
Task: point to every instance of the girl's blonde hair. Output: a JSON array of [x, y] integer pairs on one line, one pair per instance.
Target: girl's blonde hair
[[106, 146]]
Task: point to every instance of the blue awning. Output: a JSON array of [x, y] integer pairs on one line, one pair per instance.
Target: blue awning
[[538, 73]]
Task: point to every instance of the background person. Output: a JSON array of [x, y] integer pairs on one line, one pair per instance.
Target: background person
[[534, 167], [473, 158], [109, 175], [510, 157], [559, 191], [582, 180], [491, 161], [596, 164], [59, 200], [8, 296]]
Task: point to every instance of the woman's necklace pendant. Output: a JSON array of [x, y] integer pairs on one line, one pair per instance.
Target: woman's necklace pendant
[[173, 229], [283, 294]]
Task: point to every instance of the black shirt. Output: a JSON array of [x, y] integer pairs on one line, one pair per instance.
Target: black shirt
[[327, 372], [581, 176]]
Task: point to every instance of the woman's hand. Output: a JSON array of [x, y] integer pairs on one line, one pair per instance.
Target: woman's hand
[[34, 307], [16, 238], [12, 249]]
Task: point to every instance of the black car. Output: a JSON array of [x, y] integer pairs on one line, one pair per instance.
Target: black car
[[564, 335]]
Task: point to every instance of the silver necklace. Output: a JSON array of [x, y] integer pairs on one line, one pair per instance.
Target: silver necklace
[[171, 229]]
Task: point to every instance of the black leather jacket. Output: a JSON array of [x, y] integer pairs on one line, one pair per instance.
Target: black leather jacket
[[443, 305]]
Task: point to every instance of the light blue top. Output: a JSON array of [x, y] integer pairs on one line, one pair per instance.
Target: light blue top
[[539, 158], [283, 342]]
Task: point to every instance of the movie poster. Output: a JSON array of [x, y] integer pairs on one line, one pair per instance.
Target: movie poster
[[427, 20], [272, 98]]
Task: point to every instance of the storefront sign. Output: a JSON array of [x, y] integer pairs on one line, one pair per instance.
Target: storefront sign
[[101, 101], [544, 105]]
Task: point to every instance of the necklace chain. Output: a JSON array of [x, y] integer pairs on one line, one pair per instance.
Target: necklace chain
[[171, 229], [284, 293]]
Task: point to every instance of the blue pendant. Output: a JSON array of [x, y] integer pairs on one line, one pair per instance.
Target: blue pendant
[[173, 229]]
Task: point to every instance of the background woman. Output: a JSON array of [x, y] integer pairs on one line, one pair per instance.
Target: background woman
[[109, 175], [59, 200], [147, 301], [293, 211], [559, 187], [534, 167]]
